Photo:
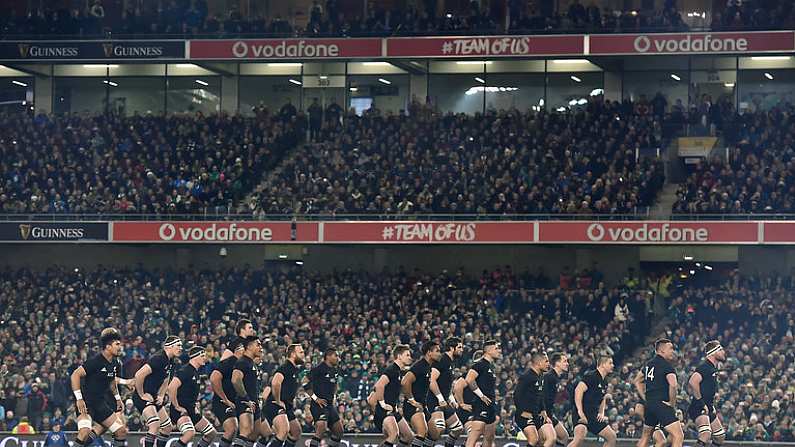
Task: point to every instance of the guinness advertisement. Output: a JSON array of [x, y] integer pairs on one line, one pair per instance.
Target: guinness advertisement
[[54, 232], [92, 50]]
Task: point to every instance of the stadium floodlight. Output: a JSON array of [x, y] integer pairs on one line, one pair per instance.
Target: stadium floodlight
[[100, 66], [480, 80], [354, 89], [570, 61], [21, 84], [728, 84], [675, 77], [473, 62], [295, 81], [384, 81], [377, 64], [769, 76], [575, 78], [285, 64], [204, 83], [771, 58], [282, 256]]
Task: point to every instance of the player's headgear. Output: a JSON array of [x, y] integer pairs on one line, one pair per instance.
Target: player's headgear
[[196, 351], [712, 347], [171, 340]]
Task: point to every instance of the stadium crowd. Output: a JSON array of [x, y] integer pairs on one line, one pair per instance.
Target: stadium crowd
[[193, 18], [137, 164], [500, 162], [51, 318], [756, 178]]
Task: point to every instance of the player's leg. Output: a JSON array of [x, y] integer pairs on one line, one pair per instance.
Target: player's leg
[[436, 425], [718, 432], [390, 429], [704, 430], [335, 428], [548, 436], [454, 430], [677, 435], [476, 430], [531, 433], [489, 433], [208, 433], [294, 430], [245, 435], [645, 436], [658, 436], [405, 435], [580, 432], [561, 434], [609, 436], [419, 427], [165, 428], [187, 430]]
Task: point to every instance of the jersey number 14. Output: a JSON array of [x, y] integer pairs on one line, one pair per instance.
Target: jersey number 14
[[649, 373]]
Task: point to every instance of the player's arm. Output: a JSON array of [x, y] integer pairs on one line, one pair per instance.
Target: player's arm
[[579, 392], [672, 387], [471, 378], [114, 389], [314, 377], [405, 387], [218, 388], [434, 387], [139, 378], [602, 407], [173, 386], [458, 390], [276, 388], [237, 382], [378, 394], [695, 385], [640, 385], [75, 378], [226, 354]]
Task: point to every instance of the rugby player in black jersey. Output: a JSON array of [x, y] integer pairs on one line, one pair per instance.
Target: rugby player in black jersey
[[183, 392], [415, 385], [243, 330], [531, 416], [322, 389], [97, 400], [245, 380], [151, 381], [482, 381], [280, 409], [589, 404], [441, 402], [560, 365], [703, 385], [384, 400], [658, 392], [224, 395]]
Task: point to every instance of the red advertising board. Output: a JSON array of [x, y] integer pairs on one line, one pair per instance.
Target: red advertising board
[[275, 49], [494, 46], [692, 43], [214, 232], [648, 232], [428, 232], [778, 232]]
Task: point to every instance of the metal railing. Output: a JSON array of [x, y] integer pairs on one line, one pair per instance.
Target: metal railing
[[420, 217]]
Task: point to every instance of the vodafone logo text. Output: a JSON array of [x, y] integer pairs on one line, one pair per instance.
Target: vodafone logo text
[[656, 232], [283, 49], [689, 43], [215, 232]]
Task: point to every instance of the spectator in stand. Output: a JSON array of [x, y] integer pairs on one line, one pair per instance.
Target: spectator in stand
[[56, 437]]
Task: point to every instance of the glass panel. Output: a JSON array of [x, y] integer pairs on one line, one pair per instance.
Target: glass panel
[[765, 89], [565, 90], [643, 86], [141, 95], [523, 91], [194, 94], [388, 98], [16, 94], [80, 95], [271, 92], [459, 93]]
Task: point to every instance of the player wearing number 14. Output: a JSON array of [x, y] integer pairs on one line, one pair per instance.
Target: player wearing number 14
[[658, 389]]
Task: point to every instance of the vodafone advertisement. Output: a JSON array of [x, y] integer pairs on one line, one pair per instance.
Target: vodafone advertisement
[[496, 46], [692, 43], [648, 232], [274, 49], [428, 232], [213, 232]]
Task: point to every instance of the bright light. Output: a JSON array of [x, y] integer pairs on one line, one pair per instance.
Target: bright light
[[490, 89], [186, 66], [296, 82], [111, 83], [582, 102], [323, 77], [597, 92], [480, 80], [285, 64], [21, 84], [728, 84], [199, 81], [688, 258], [100, 66], [570, 61], [299, 262], [769, 76], [675, 77], [575, 78], [448, 15], [384, 81], [473, 62], [692, 272], [541, 102], [561, 109], [377, 64], [573, 102], [771, 58], [708, 267], [354, 89], [282, 256]]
